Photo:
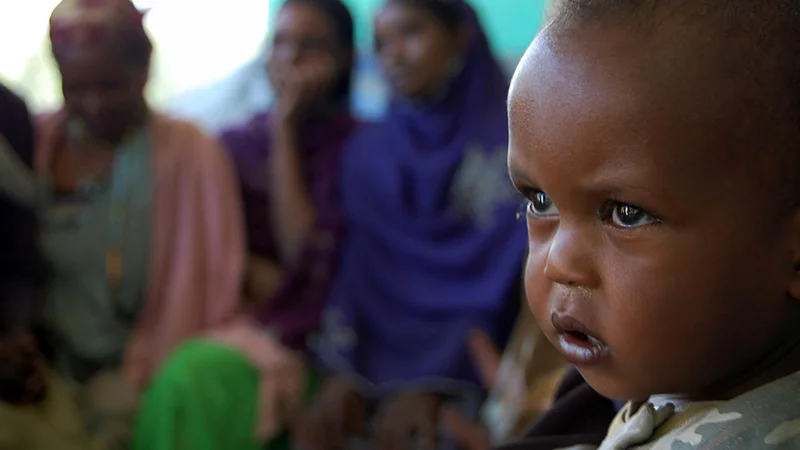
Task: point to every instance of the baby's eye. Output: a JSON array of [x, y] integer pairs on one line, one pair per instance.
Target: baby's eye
[[628, 216], [541, 206]]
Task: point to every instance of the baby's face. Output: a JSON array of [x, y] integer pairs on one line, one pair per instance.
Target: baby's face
[[656, 263]]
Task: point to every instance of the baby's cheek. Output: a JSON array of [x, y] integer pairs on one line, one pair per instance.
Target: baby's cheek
[[537, 290]]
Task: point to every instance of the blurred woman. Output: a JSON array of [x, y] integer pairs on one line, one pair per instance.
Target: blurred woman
[[288, 165], [433, 249], [140, 213], [38, 408], [239, 387]]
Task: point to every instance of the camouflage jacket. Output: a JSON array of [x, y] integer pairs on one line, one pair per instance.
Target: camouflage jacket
[[765, 418]]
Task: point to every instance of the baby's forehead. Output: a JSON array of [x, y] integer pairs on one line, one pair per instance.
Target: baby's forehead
[[621, 74], [646, 101], [659, 63], [608, 93]]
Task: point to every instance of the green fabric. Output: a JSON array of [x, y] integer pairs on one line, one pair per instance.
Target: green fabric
[[204, 398]]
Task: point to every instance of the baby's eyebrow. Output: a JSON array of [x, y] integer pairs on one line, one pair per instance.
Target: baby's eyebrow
[[518, 178], [611, 188]]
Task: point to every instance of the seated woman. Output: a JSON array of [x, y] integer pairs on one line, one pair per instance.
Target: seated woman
[[433, 248], [287, 161], [141, 221], [32, 401], [239, 387], [38, 409]]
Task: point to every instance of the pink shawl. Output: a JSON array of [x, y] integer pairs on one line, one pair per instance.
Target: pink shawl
[[197, 249], [196, 266]]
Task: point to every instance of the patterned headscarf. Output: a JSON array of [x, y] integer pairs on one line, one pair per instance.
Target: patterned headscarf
[[114, 24]]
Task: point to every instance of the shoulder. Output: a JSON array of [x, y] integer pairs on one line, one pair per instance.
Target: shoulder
[[178, 130], [49, 118], [254, 126], [183, 141], [765, 417], [188, 156], [246, 140]]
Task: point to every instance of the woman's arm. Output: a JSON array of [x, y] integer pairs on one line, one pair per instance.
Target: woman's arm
[[293, 213], [263, 278]]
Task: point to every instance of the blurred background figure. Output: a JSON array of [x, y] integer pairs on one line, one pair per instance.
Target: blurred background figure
[[39, 408], [287, 161], [433, 248], [511, 24], [16, 129], [363, 161], [141, 219], [216, 78]]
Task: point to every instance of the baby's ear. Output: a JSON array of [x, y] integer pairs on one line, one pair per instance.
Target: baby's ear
[[794, 285]]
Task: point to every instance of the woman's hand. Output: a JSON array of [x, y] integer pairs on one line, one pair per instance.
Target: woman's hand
[[485, 356], [293, 212], [467, 434], [302, 90], [409, 421], [337, 413], [263, 278]]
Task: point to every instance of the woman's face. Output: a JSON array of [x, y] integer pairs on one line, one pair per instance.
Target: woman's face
[[304, 37], [106, 93], [416, 50]]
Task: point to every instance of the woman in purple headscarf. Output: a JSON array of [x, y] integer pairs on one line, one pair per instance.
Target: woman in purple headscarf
[[433, 250]]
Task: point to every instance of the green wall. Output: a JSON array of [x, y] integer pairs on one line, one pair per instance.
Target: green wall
[[510, 24]]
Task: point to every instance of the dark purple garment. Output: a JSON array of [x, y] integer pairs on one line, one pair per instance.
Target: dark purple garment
[[433, 245], [296, 309], [17, 225], [15, 124], [22, 268]]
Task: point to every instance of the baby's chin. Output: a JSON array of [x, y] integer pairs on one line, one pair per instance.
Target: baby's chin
[[616, 386]]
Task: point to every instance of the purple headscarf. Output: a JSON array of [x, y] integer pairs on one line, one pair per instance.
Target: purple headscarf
[[295, 310], [434, 248]]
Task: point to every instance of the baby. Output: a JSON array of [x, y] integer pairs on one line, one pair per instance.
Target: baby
[[657, 143]]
